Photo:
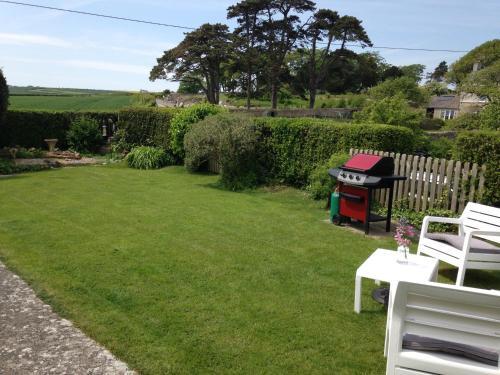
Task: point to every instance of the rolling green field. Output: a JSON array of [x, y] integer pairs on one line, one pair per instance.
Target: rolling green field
[[98, 102], [175, 275]]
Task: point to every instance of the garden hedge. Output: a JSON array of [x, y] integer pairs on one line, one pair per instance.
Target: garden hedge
[[30, 128], [145, 127], [294, 147], [483, 147]]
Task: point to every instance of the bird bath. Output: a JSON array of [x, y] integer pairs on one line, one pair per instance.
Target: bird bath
[[52, 144]]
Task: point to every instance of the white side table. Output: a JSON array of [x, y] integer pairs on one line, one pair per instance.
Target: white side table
[[382, 265]]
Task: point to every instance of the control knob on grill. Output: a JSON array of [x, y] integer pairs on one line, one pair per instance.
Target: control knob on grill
[[344, 175], [350, 177], [358, 178]]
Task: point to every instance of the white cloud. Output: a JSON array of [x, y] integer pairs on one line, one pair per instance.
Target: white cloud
[[87, 64], [24, 39]]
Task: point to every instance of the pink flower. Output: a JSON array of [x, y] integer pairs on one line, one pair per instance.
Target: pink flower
[[404, 233]]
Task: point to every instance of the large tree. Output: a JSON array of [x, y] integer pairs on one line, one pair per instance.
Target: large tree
[[281, 29], [439, 74], [414, 71], [247, 37], [327, 25], [199, 58], [482, 57], [484, 83]]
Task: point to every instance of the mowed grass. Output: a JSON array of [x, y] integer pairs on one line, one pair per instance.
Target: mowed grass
[[174, 275], [98, 102]]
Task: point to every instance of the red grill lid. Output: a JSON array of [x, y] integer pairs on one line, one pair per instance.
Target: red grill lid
[[362, 162]]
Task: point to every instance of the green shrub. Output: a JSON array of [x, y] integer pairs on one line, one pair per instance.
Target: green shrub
[[30, 128], [489, 117], [402, 87], [320, 182], [84, 135], [401, 210], [183, 120], [144, 127], [441, 148], [465, 121], [9, 167], [292, 148], [483, 147], [32, 153], [146, 157], [431, 124], [232, 141], [392, 111]]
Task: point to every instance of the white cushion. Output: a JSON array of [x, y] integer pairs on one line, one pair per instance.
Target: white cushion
[[457, 241]]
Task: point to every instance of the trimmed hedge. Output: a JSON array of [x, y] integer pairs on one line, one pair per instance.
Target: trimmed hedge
[[294, 147], [483, 147], [144, 127], [30, 128]]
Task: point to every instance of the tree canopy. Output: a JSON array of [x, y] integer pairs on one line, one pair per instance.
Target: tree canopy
[[484, 55], [198, 58]]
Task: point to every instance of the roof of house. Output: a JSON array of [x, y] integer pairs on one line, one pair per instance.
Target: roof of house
[[445, 102]]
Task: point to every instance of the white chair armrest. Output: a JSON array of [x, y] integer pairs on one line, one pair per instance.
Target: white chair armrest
[[437, 219], [483, 233], [447, 220]]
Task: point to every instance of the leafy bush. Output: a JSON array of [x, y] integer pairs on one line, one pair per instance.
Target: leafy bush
[[489, 117], [431, 124], [232, 141], [84, 135], [392, 111], [146, 157], [465, 121], [143, 127], [401, 210], [441, 148], [402, 87], [9, 167], [483, 147], [183, 120], [292, 148], [320, 182], [30, 128], [32, 153]]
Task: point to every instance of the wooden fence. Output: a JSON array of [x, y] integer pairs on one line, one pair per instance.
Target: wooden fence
[[432, 182]]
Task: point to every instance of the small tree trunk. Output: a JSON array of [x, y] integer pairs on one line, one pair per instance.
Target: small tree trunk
[[274, 95], [312, 98], [313, 80], [249, 89]]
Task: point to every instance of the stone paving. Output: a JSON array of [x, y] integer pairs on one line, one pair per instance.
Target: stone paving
[[35, 340]]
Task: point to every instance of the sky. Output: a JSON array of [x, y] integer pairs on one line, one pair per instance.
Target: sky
[[42, 47]]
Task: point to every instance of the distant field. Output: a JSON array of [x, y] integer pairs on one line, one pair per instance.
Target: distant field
[[100, 102], [36, 90]]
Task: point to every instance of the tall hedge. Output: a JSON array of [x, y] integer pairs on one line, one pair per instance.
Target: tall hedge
[[145, 127], [483, 147], [30, 128], [293, 147], [4, 96]]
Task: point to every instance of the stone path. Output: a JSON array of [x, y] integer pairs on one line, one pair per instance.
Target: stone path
[[35, 340]]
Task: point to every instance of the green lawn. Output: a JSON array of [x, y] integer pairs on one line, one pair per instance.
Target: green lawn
[[98, 102], [174, 275]]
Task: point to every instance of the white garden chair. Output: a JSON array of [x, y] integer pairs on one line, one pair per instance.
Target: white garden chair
[[476, 246], [442, 329]]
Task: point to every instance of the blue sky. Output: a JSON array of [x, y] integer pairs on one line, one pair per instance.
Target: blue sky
[[48, 48]]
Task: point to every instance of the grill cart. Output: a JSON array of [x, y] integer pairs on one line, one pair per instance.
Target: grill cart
[[358, 179]]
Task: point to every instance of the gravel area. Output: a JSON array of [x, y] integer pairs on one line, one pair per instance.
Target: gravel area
[[35, 340]]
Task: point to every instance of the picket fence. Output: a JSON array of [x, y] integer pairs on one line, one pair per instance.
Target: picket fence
[[432, 182]]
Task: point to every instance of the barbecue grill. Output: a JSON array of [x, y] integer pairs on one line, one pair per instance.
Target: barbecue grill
[[358, 179]]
